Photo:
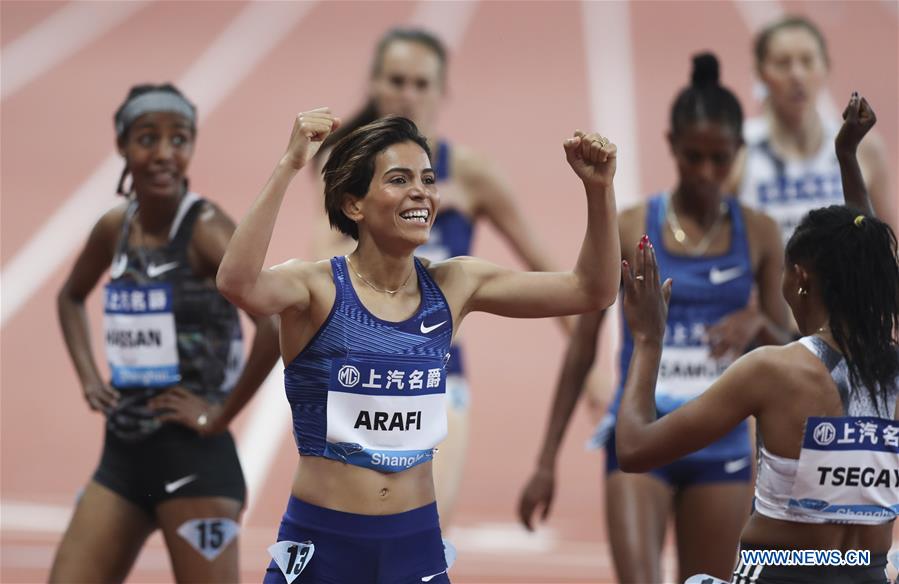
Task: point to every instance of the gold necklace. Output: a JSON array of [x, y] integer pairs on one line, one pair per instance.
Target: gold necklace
[[372, 286], [681, 236]]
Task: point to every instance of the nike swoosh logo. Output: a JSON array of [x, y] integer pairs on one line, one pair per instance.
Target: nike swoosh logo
[[432, 576], [175, 485], [118, 266], [717, 276], [154, 270], [426, 329], [732, 466]]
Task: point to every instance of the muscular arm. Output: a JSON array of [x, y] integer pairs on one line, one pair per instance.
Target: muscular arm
[[644, 442], [211, 240], [241, 277], [858, 119], [592, 285]]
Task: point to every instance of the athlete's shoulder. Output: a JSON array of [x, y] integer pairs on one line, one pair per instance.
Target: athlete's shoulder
[[872, 150], [448, 268], [468, 164], [760, 226], [632, 223], [304, 269], [781, 366], [211, 218], [109, 225], [756, 129]]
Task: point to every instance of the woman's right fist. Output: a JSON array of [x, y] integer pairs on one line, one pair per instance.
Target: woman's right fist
[[592, 157], [309, 131]]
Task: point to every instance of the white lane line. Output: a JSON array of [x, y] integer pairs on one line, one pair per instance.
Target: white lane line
[[608, 41], [57, 38], [25, 516], [448, 20], [226, 62], [610, 66]]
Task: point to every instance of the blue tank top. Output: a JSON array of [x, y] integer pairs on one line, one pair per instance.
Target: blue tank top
[[370, 392], [450, 237], [706, 289]]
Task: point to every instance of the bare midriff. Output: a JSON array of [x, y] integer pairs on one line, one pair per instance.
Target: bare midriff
[[353, 489]]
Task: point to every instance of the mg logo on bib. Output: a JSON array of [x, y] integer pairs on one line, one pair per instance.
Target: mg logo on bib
[[825, 433], [348, 376]]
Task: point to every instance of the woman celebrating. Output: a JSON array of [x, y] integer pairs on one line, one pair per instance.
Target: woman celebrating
[[822, 404], [367, 336], [789, 166], [408, 78], [718, 251], [175, 352]]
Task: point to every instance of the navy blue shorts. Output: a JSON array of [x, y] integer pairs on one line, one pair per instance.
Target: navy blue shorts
[[687, 472], [323, 546]]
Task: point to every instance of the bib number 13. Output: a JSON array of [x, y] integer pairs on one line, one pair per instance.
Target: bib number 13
[[292, 557]]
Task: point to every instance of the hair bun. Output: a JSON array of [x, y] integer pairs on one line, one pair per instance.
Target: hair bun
[[705, 70]]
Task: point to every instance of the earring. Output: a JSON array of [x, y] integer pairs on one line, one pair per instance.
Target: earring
[[802, 291]]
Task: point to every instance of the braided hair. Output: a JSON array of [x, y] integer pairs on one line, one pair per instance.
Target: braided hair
[[854, 259]]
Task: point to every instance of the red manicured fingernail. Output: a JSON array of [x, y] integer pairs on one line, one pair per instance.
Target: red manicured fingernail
[[644, 238], [650, 245], [641, 244]]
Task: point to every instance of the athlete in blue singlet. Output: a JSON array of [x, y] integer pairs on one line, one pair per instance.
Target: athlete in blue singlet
[[716, 251], [175, 354], [789, 166], [827, 406], [408, 78], [366, 338]]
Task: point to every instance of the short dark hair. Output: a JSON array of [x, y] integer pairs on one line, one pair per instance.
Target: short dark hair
[[763, 38], [705, 99], [351, 164], [853, 257]]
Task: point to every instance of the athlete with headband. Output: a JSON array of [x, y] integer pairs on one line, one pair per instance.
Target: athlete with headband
[[175, 352]]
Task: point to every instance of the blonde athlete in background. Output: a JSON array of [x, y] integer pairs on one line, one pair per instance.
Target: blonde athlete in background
[[788, 166], [175, 352]]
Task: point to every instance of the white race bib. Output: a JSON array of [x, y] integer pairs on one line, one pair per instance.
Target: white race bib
[[848, 470], [141, 343], [686, 372], [386, 414]]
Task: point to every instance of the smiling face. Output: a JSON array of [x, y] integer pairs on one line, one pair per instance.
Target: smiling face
[[794, 69], [704, 153], [408, 82], [157, 149], [402, 198]]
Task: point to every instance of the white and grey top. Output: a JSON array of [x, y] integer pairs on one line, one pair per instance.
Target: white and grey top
[[777, 475]]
